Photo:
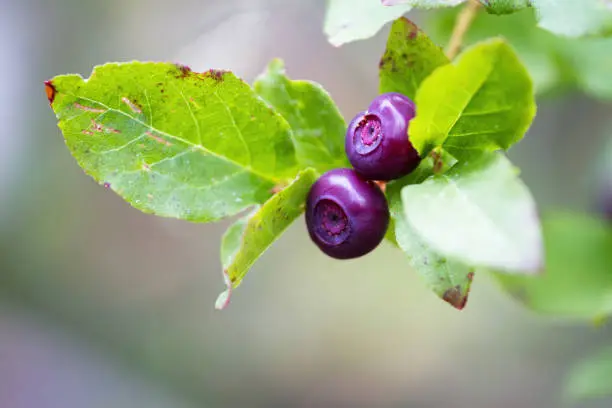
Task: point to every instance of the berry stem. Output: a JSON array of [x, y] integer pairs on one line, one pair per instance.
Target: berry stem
[[462, 24]]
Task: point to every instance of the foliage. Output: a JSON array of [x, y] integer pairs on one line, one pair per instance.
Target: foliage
[[202, 147]]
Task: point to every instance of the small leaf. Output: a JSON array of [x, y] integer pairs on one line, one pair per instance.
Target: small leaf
[[479, 213], [449, 279], [592, 377], [484, 102], [504, 6], [424, 4], [577, 281], [173, 142], [351, 20], [249, 237], [575, 18], [410, 57], [318, 126]]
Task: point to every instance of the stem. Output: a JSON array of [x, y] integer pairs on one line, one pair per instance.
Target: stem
[[462, 24]]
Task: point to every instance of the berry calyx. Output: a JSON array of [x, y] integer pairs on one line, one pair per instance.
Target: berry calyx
[[377, 143], [346, 215]]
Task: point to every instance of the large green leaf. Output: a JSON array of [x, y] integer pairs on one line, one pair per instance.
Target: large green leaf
[[173, 142], [249, 237], [577, 281], [575, 18], [484, 102], [318, 125], [447, 278], [350, 20], [409, 58], [592, 377], [479, 213]]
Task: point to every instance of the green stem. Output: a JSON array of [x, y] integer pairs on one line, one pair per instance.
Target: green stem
[[462, 24]]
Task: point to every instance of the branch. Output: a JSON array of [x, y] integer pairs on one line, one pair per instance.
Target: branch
[[462, 24]]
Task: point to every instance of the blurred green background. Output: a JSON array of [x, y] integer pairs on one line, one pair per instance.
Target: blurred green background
[[102, 306]]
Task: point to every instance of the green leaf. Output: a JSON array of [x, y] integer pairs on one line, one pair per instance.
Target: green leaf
[[409, 58], [479, 213], [248, 238], [536, 48], [484, 102], [504, 6], [173, 142], [577, 281], [555, 63], [592, 377], [318, 126], [424, 4], [575, 18], [449, 279], [351, 20]]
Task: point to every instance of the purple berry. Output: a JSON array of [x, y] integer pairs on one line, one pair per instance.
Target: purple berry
[[377, 142], [346, 216]]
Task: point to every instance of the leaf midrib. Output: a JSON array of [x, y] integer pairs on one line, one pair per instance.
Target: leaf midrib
[[178, 139]]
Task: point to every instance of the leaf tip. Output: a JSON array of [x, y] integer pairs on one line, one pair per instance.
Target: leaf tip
[[457, 296], [412, 30], [50, 91], [224, 298]]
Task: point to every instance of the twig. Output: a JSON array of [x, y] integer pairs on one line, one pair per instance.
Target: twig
[[462, 24]]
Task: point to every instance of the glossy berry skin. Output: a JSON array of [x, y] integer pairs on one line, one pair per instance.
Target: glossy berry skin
[[346, 216], [377, 142]]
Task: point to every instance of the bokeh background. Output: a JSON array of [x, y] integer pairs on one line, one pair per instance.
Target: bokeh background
[[102, 306]]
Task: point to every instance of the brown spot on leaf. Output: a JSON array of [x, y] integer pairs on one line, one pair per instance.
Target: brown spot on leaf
[[183, 69], [216, 74], [135, 108], [455, 298], [411, 29], [87, 132], [158, 139], [470, 276], [383, 61], [88, 108], [146, 167], [50, 91], [98, 127], [278, 188]]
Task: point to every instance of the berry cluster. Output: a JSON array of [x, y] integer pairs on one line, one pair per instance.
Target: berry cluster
[[347, 214]]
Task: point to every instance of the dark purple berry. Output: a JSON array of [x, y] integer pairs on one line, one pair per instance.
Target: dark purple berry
[[377, 142], [346, 216]]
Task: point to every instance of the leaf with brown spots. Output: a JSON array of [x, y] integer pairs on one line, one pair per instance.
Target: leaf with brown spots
[[249, 237], [447, 278], [410, 57], [174, 142]]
